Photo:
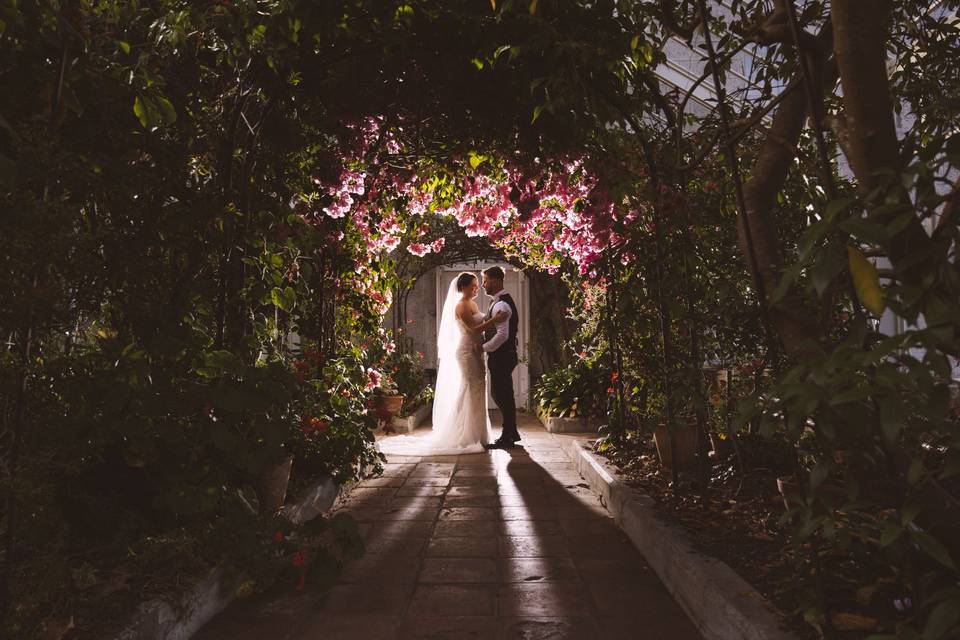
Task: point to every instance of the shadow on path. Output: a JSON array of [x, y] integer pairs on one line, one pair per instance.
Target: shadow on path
[[503, 544]]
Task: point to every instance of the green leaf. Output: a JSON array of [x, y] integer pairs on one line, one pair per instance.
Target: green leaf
[[910, 512], [866, 281], [125, 46], [404, 14], [536, 113], [476, 159], [167, 112], [634, 42], [224, 361], [143, 108], [284, 299], [932, 547], [891, 417], [891, 533], [835, 207], [825, 270], [942, 619], [154, 111], [533, 7]]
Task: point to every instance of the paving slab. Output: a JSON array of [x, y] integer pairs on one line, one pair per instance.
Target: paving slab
[[490, 546]]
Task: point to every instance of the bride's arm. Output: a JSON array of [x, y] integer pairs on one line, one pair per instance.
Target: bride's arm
[[486, 324]]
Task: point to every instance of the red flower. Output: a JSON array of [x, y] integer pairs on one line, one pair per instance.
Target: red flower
[[614, 377], [299, 559], [301, 368], [278, 537], [312, 425]]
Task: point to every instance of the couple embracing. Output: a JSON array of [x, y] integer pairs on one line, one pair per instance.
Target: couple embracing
[[461, 423]]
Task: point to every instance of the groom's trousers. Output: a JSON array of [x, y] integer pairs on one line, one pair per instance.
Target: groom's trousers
[[501, 388]]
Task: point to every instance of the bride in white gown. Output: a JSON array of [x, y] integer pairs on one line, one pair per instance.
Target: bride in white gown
[[460, 420]]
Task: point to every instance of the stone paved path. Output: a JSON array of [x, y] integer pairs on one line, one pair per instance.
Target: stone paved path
[[505, 544]]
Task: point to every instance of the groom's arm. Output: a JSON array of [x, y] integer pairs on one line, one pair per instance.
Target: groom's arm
[[503, 328]]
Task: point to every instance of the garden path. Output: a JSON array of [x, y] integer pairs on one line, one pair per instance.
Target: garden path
[[503, 544]]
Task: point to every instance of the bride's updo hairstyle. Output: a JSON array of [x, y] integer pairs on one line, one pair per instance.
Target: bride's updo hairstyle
[[464, 280]]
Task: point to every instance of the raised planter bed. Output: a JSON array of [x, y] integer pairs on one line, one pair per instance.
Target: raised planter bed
[[719, 602], [555, 424], [180, 619], [414, 420]]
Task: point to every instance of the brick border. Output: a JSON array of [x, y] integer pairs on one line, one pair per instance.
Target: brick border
[[721, 604]]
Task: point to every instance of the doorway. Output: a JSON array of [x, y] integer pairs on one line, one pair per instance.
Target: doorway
[[515, 282]]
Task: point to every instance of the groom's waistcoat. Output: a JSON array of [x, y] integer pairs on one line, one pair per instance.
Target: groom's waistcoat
[[508, 350]]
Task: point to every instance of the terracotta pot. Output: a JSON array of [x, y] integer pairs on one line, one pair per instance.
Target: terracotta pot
[[685, 435], [271, 486], [792, 491], [389, 406]]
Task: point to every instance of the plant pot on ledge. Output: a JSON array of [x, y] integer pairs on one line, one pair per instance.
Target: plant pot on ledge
[[271, 486], [386, 408], [685, 435]]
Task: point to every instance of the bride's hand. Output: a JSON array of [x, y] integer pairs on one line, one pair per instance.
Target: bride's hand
[[483, 326]]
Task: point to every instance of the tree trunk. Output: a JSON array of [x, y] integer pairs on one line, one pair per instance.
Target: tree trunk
[[868, 134], [793, 321]]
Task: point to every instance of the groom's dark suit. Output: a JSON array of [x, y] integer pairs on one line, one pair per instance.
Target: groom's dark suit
[[501, 362]]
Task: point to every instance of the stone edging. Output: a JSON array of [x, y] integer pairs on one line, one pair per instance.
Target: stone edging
[[555, 424], [411, 422], [160, 619], [719, 602]]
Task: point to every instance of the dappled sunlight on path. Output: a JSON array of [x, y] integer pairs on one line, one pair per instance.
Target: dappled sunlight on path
[[503, 544]]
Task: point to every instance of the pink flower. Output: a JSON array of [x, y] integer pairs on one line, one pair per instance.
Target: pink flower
[[438, 245], [374, 378], [418, 249]]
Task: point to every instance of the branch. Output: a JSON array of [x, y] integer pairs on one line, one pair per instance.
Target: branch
[[668, 17]]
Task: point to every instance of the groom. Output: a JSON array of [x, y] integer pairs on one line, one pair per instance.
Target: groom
[[502, 359]]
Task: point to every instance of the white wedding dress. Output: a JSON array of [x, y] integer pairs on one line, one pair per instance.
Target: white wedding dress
[[461, 423]]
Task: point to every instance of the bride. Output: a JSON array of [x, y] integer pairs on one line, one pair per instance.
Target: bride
[[460, 420]]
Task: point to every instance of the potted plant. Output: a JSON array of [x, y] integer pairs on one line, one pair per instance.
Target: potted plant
[[386, 401], [410, 381], [685, 439]]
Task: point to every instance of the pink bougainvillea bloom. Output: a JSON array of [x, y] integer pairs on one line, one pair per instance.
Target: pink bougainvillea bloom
[[374, 378], [418, 249], [438, 244]]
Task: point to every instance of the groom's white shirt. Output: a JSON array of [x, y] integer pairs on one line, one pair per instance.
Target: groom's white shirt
[[503, 327]]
